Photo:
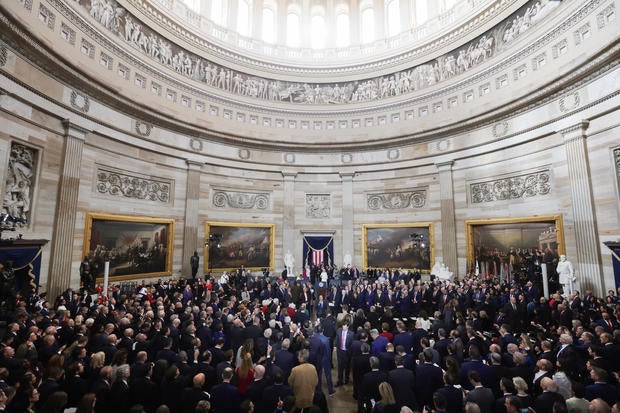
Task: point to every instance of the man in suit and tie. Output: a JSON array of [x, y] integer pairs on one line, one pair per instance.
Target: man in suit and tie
[[428, 379], [600, 389], [284, 358], [225, 396], [343, 342], [403, 337], [371, 381], [482, 396], [549, 395], [379, 343], [402, 381], [321, 357]]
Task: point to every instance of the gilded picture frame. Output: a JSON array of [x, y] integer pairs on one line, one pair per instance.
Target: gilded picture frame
[[136, 247], [407, 246], [233, 244], [506, 244]]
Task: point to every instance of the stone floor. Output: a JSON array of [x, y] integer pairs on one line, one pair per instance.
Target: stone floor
[[343, 400]]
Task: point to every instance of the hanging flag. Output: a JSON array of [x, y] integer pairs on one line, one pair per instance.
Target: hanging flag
[[477, 268], [317, 257]]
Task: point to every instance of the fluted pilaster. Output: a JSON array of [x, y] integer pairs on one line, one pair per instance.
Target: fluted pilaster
[[347, 213], [588, 271], [192, 207], [288, 217], [448, 220], [66, 209]]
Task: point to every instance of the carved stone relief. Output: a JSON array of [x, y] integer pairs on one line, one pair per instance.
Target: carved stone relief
[[80, 101], [127, 185], [569, 102], [242, 200], [397, 200], [318, 205], [195, 144], [20, 180], [513, 187], [3, 54], [500, 129], [143, 128], [118, 20]]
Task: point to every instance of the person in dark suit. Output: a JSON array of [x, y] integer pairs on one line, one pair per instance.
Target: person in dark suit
[[482, 396], [403, 337], [402, 381], [144, 391], [343, 343], [371, 381], [119, 392], [601, 389], [545, 369], [453, 395], [475, 364], [276, 392], [441, 345], [75, 385], [285, 359], [101, 388], [225, 396], [360, 365], [321, 357], [378, 342], [428, 379], [256, 390], [192, 395], [549, 395], [386, 358]]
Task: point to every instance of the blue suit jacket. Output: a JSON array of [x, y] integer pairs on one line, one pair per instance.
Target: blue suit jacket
[[378, 345]]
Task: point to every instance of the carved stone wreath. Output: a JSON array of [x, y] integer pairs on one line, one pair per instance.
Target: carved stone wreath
[[122, 185], [241, 200], [143, 128], [515, 187], [397, 200], [80, 101]]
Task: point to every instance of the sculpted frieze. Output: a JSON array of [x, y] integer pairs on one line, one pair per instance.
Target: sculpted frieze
[[513, 187], [20, 182], [119, 21], [396, 200], [617, 162], [318, 205], [128, 185], [241, 200]]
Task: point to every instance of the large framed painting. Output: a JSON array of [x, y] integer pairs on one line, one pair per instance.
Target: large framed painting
[[136, 247], [231, 245], [406, 246], [502, 247]]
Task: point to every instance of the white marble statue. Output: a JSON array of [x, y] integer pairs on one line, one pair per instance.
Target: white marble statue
[[437, 267], [289, 263], [444, 273], [566, 274], [347, 259]]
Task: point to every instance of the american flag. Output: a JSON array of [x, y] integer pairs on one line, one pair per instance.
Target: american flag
[[317, 257]]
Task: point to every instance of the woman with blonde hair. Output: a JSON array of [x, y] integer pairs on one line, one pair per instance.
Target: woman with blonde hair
[[245, 373], [387, 404], [521, 387]]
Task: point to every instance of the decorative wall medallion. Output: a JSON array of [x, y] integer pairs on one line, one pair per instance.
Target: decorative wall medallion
[[514, 187], [127, 185], [289, 157], [26, 3], [318, 205], [501, 129], [241, 200], [195, 144], [143, 128], [443, 145], [393, 154], [20, 182], [570, 102], [346, 158], [80, 101], [397, 200], [244, 153]]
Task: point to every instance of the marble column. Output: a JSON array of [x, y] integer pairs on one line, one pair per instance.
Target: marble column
[[288, 223], [448, 220], [347, 217], [588, 269], [192, 208], [63, 236]]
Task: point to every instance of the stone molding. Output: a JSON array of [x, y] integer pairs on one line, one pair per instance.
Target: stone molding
[[318, 205], [577, 131], [511, 187], [124, 184], [616, 154], [397, 200], [241, 200]]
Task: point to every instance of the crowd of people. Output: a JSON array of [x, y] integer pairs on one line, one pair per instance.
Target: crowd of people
[[246, 342]]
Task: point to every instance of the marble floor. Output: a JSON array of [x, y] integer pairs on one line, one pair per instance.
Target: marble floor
[[343, 400]]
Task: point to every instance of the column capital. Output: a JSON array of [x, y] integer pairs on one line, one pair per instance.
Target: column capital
[[193, 165], [444, 166], [74, 130], [289, 175], [576, 131]]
